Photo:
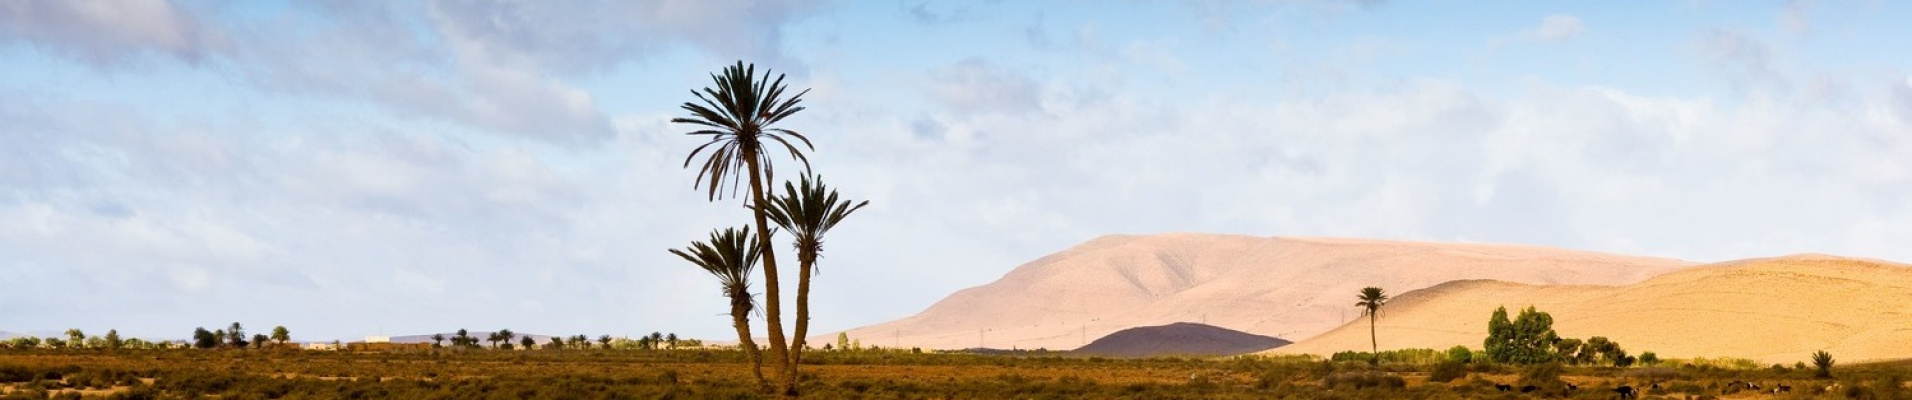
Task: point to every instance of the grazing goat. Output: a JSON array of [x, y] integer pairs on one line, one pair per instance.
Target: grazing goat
[[1503, 388], [1782, 388], [1572, 387], [1529, 389], [1626, 392]]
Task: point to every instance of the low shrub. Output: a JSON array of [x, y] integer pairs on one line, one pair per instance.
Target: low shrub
[[1447, 371]]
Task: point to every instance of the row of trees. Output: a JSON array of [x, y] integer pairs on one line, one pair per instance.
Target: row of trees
[[234, 336], [740, 119], [231, 337], [502, 339], [1530, 339]]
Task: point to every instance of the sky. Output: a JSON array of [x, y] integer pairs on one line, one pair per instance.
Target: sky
[[353, 168]]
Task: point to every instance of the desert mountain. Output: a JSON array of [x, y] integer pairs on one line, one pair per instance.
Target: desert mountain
[[1776, 310], [1290, 288], [1179, 339]]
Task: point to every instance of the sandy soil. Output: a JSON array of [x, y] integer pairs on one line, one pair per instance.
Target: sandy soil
[[1776, 310], [1291, 288]]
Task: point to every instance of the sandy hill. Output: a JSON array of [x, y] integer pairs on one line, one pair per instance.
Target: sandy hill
[[1179, 339], [1291, 288], [1776, 310]]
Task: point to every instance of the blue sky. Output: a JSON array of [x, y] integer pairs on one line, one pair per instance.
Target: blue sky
[[354, 168]]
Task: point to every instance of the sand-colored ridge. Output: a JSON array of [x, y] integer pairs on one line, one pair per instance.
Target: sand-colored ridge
[[1772, 310], [1290, 288]]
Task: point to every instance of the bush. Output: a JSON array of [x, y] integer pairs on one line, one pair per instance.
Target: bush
[[1460, 354], [1542, 375], [1823, 361], [1447, 371], [1364, 379]]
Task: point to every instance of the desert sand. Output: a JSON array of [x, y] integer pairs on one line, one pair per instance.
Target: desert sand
[[1290, 288], [1776, 310]]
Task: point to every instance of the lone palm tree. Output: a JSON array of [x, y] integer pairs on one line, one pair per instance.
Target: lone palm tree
[[807, 210], [731, 255], [738, 116], [505, 335], [1372, 299]]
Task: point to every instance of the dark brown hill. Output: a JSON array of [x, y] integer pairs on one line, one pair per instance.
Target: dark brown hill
[[1179, 339]]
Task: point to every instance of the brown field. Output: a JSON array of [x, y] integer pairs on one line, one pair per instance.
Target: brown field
[[255, 374]]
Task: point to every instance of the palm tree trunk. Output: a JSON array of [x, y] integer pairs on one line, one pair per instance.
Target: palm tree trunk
[[773, 303], [740, 318], [803, 309], [1374, 344]]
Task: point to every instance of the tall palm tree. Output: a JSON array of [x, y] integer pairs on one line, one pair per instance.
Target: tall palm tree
[[738, 117], [1372, 299], [807, 210], [731, 255], [505, 335]]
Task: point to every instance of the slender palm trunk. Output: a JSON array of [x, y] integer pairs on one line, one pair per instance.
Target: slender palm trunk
[[804, 263], [740, 318], [1374, 345], [773, 303]]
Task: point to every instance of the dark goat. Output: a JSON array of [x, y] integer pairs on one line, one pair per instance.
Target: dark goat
[[1503, 388], [1626, 392]]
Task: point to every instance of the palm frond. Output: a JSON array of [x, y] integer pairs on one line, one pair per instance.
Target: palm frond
[[738, 111]]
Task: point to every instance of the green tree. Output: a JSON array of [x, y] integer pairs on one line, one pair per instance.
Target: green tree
[[843, 341], [113, 339], [730, 256], [204, 339], [528, 342], [604, 341], [1649, 359], [505, 335], [1460, 354], [236, 336], [1528, 339], [1822, 360], [75, 337], [808, 210], [1372, 299], [1568, 350], [463, 338], [282, 335], [438, 340], [670, 340], [260, 340], [739, 116], [557, 343]]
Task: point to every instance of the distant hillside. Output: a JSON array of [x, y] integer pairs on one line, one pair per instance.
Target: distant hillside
[[1774, 310], [1291, 288], [1179, 339]]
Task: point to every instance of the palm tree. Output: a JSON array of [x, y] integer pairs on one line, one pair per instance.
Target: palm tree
[[438, 340], [808, 210], [462, 339], [738, 117], [505, 335], [1372, 298], [730, 255]]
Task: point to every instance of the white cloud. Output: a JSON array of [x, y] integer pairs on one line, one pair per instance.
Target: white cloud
[[974, 85], [107, 32], [1558, 28]]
